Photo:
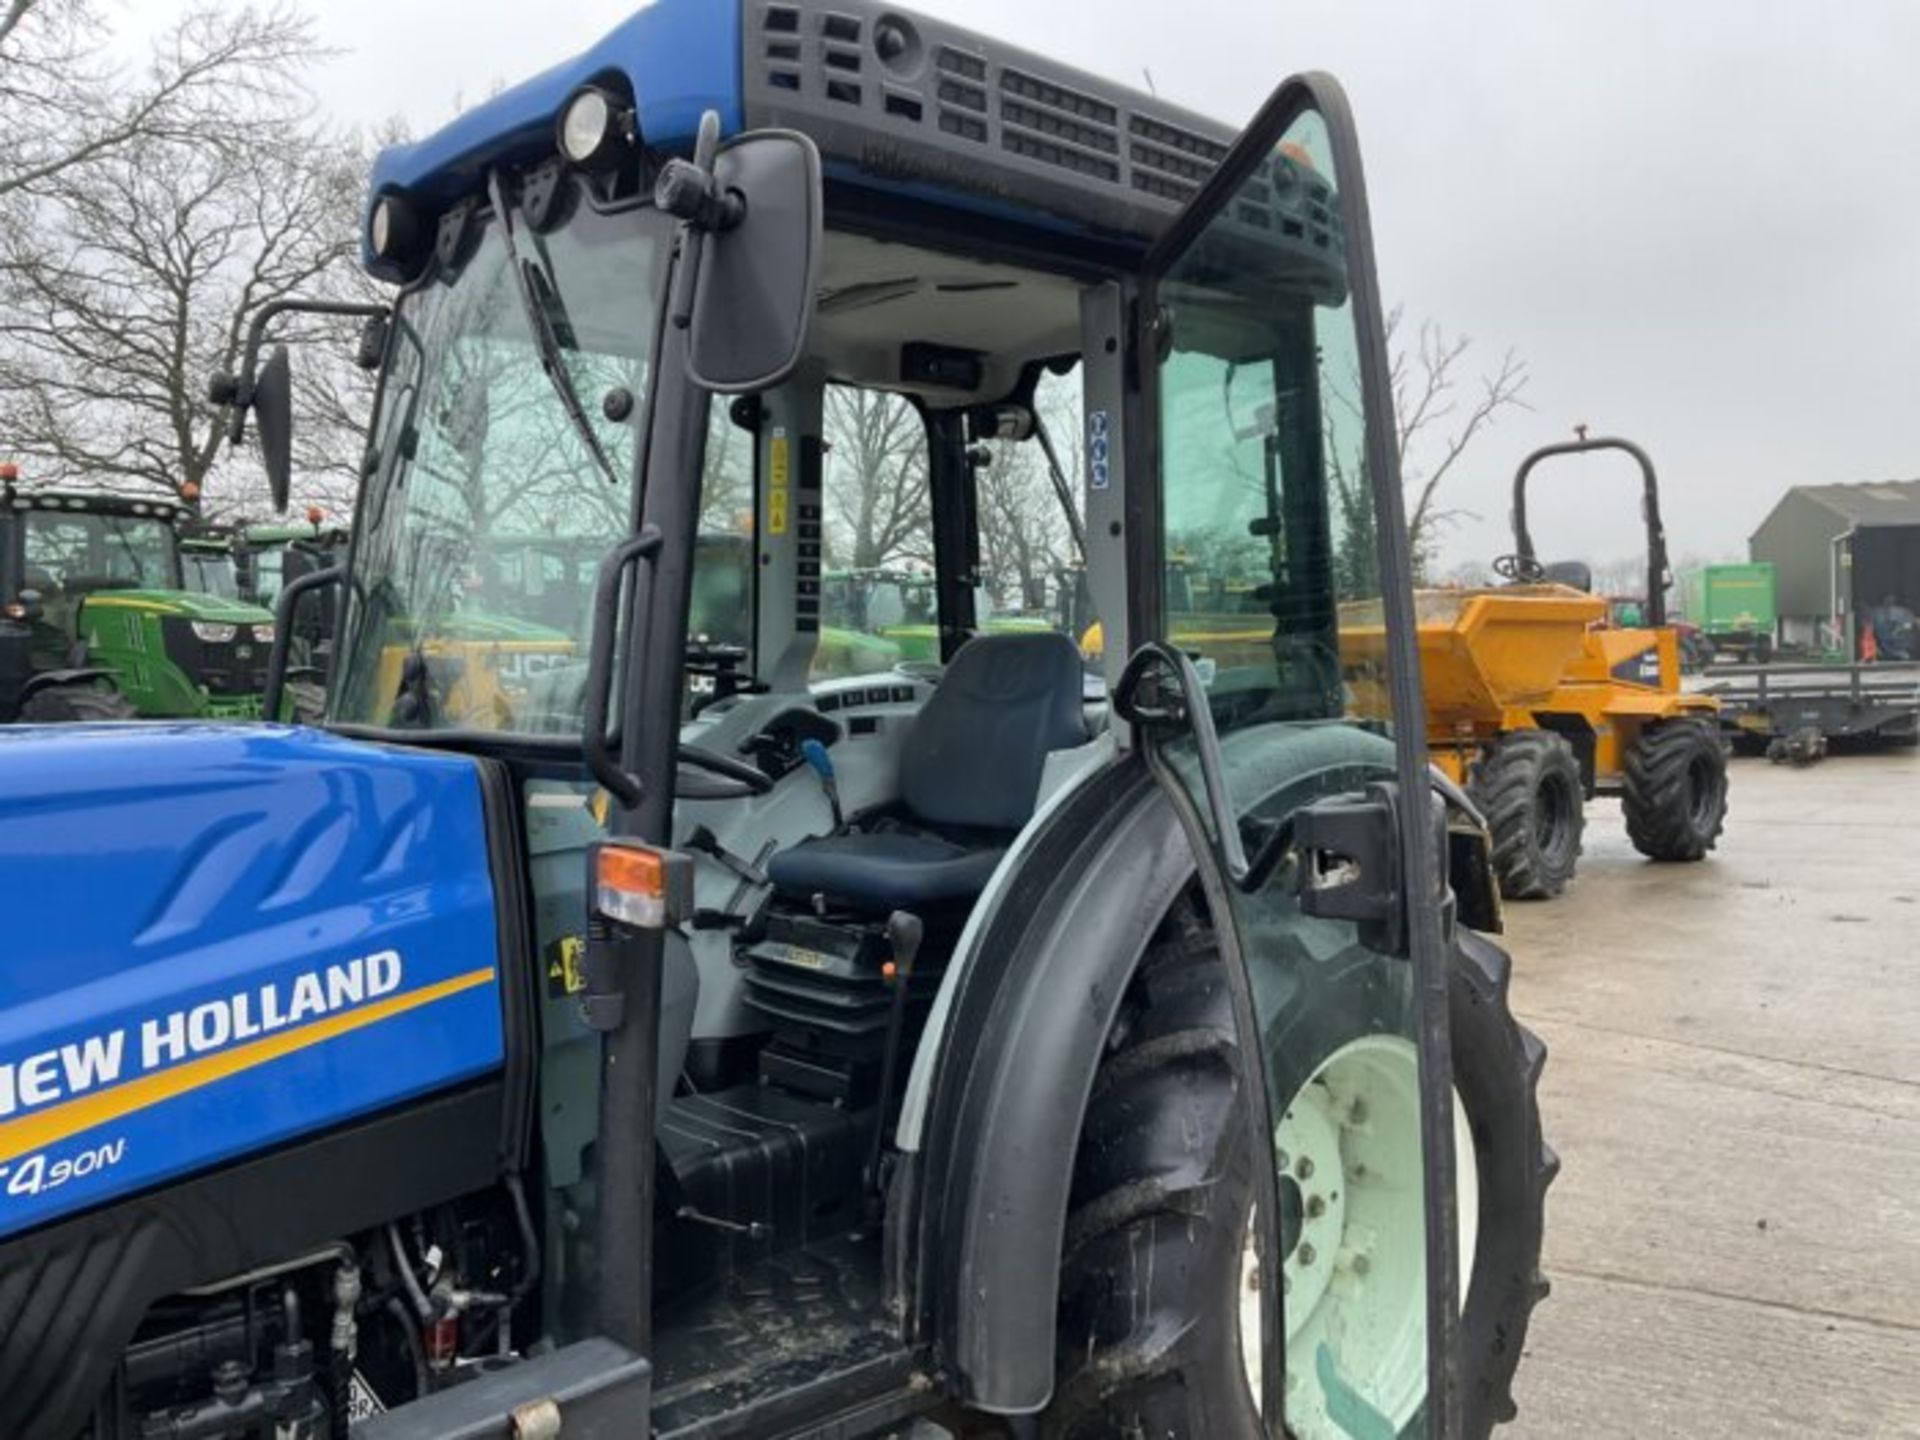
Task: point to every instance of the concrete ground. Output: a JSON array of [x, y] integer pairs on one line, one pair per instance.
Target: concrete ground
[[1734, 1090]]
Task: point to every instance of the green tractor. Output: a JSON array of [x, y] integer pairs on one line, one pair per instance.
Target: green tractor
[[106, 577], [969, 1047]]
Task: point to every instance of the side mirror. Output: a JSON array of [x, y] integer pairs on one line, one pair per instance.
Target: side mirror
[[753, 213], [273, 412]]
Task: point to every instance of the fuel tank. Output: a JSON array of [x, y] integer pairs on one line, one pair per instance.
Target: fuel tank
[[216, 940]]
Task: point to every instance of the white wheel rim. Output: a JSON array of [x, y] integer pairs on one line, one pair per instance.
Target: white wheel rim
[[1355, 1279]]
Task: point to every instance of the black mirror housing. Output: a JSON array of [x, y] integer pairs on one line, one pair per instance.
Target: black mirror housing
[[753, 295], [273, 413]]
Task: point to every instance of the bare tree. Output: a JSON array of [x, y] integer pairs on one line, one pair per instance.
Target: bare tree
[[1438, 414], [877, 507], [138, 274], [69, 105]]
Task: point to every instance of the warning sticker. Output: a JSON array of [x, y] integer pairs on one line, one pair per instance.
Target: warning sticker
[[779, 471], [564, 976]]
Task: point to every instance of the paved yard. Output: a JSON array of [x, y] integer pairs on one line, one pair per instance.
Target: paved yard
[[1734, 1241]]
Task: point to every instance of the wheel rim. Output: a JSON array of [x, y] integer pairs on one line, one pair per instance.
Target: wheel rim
[[1354, 1271]]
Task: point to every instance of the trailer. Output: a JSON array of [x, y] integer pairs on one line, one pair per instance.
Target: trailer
[[1864, 703], [1732, 607]]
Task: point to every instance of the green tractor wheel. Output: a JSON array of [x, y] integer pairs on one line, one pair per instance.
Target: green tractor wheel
[[75, 704]]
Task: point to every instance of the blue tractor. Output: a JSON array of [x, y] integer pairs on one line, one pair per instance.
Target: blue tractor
[[661, 1041]]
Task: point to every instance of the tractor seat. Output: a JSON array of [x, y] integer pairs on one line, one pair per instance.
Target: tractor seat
[[1575, 573], [969, 775]]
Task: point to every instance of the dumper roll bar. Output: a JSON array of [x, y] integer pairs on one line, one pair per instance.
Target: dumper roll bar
[[1658, 576]]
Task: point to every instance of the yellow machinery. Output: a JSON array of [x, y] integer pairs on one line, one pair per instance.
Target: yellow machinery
[[1535, 700]]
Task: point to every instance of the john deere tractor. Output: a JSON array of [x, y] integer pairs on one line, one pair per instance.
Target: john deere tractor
[[99, 579], [1538, 696], [938, 1049]]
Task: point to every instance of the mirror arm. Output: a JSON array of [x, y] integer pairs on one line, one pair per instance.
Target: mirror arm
[[240, 398]]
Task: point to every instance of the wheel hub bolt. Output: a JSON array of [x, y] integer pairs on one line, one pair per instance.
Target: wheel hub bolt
[[1316, 1207], [1305, 1252], [1304, 1170]]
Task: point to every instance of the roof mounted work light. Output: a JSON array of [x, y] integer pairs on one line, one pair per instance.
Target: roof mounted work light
[[595, 127], [392, 229]]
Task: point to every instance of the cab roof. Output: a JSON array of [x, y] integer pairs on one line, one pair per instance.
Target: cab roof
[[903, 108]]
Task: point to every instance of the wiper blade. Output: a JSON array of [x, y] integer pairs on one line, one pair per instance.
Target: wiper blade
[[525, 272]]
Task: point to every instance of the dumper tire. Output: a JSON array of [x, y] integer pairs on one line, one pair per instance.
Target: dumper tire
[[1148, 1341], [1529, 787], [76, 705], [1674, 795]]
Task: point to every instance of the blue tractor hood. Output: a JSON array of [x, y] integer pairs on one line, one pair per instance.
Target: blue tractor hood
[[221, 938]]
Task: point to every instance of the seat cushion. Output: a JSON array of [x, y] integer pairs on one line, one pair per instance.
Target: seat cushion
[[885, 870]]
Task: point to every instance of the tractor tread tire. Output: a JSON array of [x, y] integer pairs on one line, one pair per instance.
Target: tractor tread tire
[[1507, 784], [1148, 1341], [1162, 1187], [76, 705], [1656, 793], [1497, 1067]]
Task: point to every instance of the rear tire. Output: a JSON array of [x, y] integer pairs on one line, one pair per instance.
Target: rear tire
[[1674, 795], [1148, 1340], [76, 705], [1529, 788]]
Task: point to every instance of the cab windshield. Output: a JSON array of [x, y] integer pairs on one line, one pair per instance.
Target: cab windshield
[[490, 501], [210, 572], [72, 552]]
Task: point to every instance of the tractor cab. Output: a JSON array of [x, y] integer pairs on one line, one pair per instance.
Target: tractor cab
[[886, 1017]]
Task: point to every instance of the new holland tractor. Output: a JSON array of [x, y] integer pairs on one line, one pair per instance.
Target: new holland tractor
[[950, 1049]]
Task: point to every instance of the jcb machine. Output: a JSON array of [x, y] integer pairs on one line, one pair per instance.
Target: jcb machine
[[1537, 700], [915, 1048]]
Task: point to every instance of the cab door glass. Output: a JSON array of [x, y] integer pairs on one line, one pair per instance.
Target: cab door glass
[[1269, 577]]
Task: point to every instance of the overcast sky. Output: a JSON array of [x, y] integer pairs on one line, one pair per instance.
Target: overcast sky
[[1698, 221]]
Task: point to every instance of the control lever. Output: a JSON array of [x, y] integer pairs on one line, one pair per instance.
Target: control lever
[[904, 934], [707, 843], [821, 762]]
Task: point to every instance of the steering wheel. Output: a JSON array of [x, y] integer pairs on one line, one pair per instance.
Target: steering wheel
[[1520, 569], [750, 779]]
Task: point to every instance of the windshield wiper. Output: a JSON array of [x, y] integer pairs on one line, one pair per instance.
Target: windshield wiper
[[525, 270]]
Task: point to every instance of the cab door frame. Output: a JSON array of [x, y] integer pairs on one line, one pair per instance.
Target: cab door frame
[[1419, 844]]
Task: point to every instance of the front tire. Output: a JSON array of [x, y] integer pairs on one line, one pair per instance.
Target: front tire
[[1149, 1339], [1674, 795], [1529, 788], [76, 705]]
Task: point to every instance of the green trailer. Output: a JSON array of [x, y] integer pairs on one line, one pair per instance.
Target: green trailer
[[1733, 608]]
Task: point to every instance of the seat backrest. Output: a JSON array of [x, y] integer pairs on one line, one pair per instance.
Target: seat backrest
[[1576, 573], [977, 747]]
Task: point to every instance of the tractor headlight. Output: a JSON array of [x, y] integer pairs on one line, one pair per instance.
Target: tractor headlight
[[591, 128], [263, 634], [213, 633]]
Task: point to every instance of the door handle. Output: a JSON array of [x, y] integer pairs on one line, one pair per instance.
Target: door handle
[[285, 606], [618, 782]]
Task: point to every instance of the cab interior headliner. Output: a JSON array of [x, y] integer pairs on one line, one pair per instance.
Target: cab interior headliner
[[877, 296]]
